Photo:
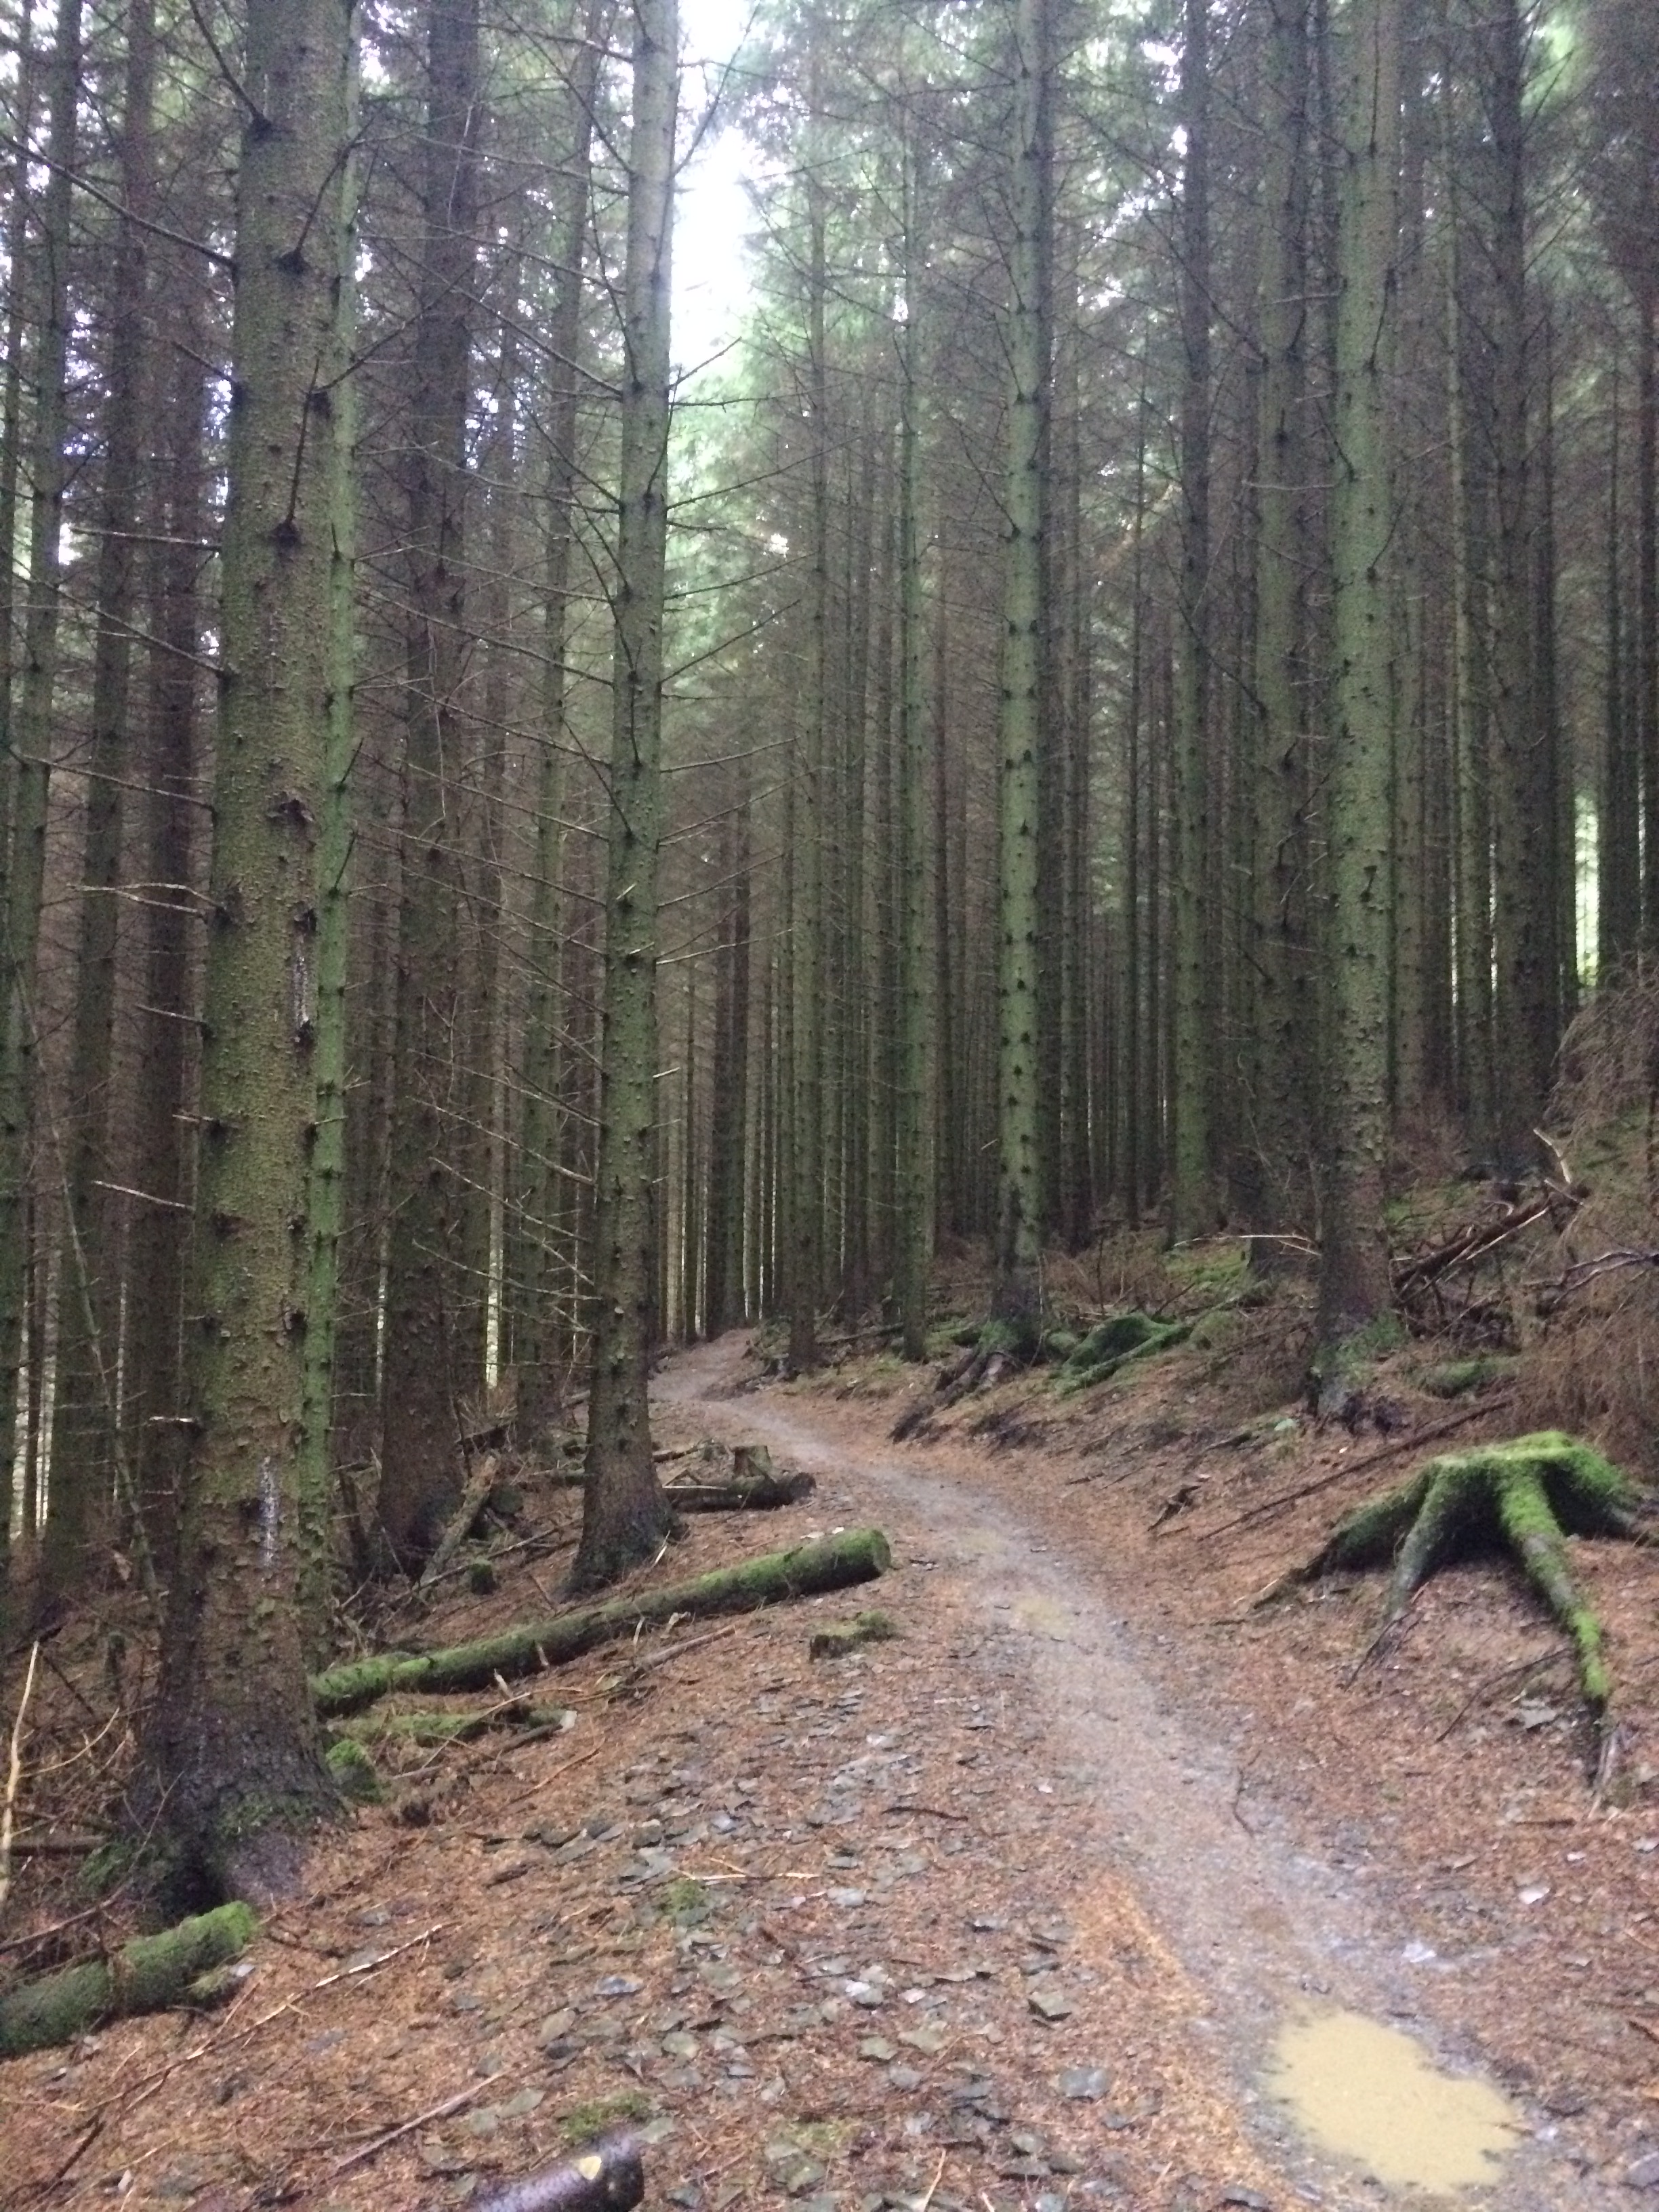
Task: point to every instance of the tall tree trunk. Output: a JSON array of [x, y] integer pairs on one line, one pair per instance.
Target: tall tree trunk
[[1354, 1286], [429, 1305], [1524, 839], [1017, 1296], [537, 1335], [1193, 1204], [157, 1244], [85, 1441], [232, 1757], [1619, 871], [1276, 1031], [913, 1205], [33, 729], [624, 1513]]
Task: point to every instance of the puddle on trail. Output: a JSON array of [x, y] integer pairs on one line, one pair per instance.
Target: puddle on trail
[[1372, 2094]]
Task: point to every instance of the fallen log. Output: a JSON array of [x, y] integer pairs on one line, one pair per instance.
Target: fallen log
[[149, 1975], [755, 1486], [607, 2176], [479, 1484], [853, 1555]]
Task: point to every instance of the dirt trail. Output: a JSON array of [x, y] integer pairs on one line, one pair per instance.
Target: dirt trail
[[1261, 1923]]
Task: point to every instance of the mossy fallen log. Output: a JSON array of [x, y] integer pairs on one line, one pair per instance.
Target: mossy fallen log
[[607, 2176], [842, 1637], [1527, 1495], [149, 1974], [853, 1555]]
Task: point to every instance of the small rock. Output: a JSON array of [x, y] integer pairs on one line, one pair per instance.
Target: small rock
[[617, 1985], [1083, 2083], [1251, 2199], [486, 2121], [904, 2077], [1535, 1892], [877, 2047], [521, 2104], [846, 1898], [1643, 2173], [865, 1994], [556, 2026], [1027, 2144], [489, 2064], [1049, 2004], [930, 2041], [648, 1834], [680, 2045]]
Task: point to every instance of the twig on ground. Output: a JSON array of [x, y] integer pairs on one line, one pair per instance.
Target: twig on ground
[[1522, 1667], [14, 1776], [933, 2185], [937, 1812], [395, 2135]]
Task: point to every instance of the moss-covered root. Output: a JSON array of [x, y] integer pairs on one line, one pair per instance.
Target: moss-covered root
[[149, 1975], [853, 1555], [1523, 1494], [1523, 1507], [1112, 1345]]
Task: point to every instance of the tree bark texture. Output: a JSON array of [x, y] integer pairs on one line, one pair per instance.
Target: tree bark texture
[[624, 1517], [233, 1765]]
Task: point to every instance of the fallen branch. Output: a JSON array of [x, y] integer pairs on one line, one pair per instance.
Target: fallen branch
[[755, 1486], [479, 1484], [1399, 1444], [605, 2176], [14, 1776], [854, 1555], [147, 1976], [462, 2097]]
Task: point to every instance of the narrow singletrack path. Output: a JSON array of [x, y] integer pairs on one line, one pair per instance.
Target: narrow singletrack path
[[1262, 1925]]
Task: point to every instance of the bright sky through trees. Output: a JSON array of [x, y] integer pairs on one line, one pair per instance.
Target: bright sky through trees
[[713, 217]]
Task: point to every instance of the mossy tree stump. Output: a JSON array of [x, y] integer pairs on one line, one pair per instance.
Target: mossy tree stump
[[1527, 1495]]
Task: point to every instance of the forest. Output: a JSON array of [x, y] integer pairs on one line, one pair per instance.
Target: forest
[[1127, 700]]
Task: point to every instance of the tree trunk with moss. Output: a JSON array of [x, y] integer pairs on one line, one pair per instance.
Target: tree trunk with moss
[[625, 1515], [233, 1772]]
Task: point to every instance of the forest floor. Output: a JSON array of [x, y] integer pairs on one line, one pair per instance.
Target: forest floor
[[1005, 1913]]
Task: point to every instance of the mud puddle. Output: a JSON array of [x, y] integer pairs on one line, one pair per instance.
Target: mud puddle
[[1371, 2094], [1273, 1936]]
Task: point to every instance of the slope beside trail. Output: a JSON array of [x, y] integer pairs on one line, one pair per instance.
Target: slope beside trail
[[1141, 1788]]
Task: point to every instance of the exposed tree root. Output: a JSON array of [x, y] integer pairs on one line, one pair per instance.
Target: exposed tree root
[[1527, 1495], [149, 1975], [1114, 1344], [1000, 1346], [854, 1555]]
